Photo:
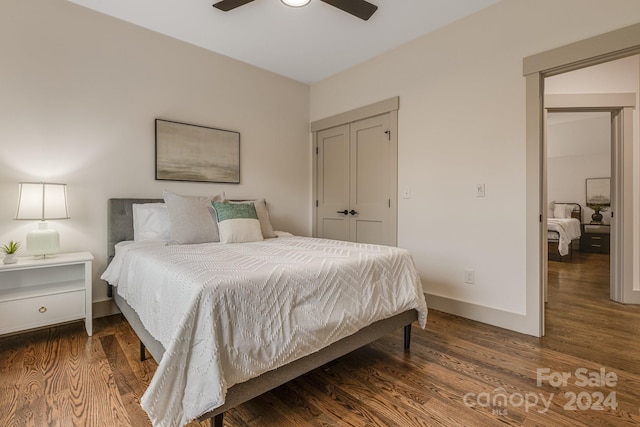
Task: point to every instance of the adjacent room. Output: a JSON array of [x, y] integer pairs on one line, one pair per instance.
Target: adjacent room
[[337, 212]]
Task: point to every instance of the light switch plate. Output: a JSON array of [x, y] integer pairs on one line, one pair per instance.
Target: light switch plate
[[406, 194]]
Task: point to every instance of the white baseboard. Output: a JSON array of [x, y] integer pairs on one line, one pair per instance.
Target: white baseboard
[[492, 316], [105, 307]]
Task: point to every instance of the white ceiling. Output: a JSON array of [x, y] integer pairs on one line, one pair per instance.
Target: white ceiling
[[307, 44]]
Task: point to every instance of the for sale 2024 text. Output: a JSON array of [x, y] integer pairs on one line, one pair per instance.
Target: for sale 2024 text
[[582, 377]]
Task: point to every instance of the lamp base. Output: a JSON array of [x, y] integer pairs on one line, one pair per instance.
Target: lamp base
[[43, 241], [596, 218]]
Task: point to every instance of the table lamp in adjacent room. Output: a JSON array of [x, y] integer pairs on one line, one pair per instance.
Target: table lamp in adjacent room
[[42, 201]]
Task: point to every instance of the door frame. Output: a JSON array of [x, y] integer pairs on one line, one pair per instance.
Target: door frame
[[388, 106], [596, 50], [620, 106]]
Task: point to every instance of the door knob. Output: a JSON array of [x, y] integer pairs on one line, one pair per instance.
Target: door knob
[[344, 212], [352, 212]]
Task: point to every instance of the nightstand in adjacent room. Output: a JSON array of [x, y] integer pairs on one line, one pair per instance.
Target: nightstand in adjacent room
[[596, 238], [43, 292]]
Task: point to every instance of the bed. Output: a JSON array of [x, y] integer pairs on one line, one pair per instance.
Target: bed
[[120, 229], [563, 229]]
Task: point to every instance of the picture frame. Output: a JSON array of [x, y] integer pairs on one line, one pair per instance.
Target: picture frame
[[598, 192], [187, 152]]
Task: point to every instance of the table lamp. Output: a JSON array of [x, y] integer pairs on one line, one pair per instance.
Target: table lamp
[[42, 201]]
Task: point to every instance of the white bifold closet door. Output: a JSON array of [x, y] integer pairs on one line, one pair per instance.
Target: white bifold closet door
[[355, 176]]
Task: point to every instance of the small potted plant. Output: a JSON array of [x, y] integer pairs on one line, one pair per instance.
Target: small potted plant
[[10, 250]]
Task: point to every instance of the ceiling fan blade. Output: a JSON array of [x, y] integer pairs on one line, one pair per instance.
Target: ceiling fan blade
[[359, 8], [227, 5]]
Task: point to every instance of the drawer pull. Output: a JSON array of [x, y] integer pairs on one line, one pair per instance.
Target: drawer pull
[[596, 246], [596, 237], [42, 309]]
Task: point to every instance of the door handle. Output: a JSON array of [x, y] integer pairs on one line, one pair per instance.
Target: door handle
[[352, 212], [344, 212]]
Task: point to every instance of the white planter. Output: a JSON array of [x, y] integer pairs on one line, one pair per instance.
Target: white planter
[[10, 259]]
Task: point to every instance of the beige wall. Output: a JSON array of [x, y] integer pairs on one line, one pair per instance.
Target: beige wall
[[79, 92], [578, 148], [462, 122]]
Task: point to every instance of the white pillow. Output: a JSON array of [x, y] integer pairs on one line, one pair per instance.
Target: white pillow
[[151, 221], [550, 206], [237, 222], [192, 218], [263, 217], [561, 210], [569, 210]]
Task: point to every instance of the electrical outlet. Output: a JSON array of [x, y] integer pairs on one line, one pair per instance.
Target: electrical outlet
[[469, 276], [479, 190]]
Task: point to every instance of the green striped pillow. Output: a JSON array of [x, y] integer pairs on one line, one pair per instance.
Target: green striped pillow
[[237, 222]]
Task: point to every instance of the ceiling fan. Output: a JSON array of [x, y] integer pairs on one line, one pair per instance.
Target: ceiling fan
[[358, 8]]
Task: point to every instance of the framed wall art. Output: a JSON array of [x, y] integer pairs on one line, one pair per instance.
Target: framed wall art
[[598, 191], [598, 197], [187, 152]]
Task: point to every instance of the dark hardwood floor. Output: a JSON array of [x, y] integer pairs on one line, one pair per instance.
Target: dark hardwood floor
[[457, 373]]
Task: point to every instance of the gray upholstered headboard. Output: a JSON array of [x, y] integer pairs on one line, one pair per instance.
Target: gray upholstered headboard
[[120, 221]]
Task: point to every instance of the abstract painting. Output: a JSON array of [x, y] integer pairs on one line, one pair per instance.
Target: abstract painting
[[187, 152]]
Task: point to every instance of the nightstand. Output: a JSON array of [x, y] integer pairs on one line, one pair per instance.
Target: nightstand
[[596, 238], [43, 292]]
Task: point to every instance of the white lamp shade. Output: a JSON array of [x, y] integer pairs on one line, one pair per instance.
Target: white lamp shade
[[296, 3], [42, 200]]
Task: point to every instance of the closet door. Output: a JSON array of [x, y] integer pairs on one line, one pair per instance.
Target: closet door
[[369, 181], [355, 182], [333, 183]]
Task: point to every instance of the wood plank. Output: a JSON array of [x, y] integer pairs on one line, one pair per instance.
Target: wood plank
[[126, 381]]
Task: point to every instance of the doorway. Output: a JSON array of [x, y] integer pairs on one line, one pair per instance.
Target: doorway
[[596, 50], [615, 106], [578, 160]]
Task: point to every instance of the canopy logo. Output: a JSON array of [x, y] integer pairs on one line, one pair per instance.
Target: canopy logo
[[499, 400]]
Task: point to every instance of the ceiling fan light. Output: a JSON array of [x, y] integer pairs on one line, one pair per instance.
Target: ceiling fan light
[[296, 3]]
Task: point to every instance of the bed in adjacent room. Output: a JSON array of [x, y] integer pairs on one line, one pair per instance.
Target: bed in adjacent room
[[231, 320], [563, 229]]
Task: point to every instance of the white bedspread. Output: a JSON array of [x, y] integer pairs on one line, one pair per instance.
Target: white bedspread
[[228, 312], [567, 229]]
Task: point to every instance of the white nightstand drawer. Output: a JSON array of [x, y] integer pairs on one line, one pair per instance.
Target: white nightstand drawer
[[43, 310]]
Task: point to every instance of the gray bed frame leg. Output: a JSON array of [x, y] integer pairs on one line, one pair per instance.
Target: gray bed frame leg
[[143, 354], [217, 420], [407, 337]]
